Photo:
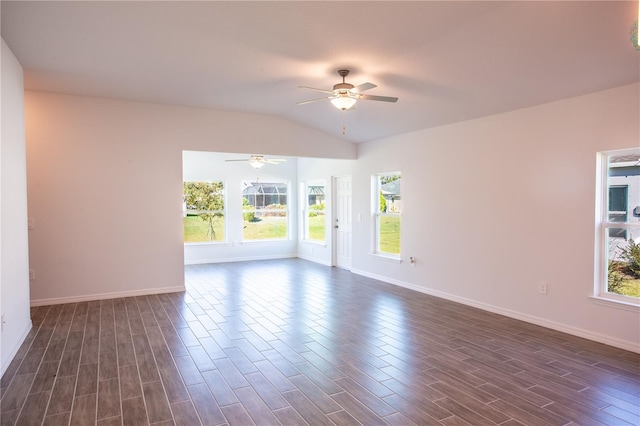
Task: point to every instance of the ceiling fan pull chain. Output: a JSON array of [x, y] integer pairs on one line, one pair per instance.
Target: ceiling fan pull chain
[[344, 126]]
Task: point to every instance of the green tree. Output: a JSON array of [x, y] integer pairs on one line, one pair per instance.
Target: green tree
[[250, 216], [388, 178], [207, 199], [631, 254], [383, 203]]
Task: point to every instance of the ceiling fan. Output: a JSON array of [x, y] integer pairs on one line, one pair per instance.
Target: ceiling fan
[[344, 95], [257, 161]]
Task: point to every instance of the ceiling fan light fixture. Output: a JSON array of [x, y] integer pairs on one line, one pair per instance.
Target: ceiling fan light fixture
[[256, 163], [343, 101]]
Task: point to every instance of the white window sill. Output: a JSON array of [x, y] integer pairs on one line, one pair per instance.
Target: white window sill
[[209, 243], [387, 257], [614, 303], [275, 240]]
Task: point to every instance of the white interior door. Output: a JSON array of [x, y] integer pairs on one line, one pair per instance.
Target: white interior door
[[342, 222]]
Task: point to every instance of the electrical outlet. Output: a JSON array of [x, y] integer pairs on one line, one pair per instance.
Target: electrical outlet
[[542, 287], [32, 274], [2, 322]]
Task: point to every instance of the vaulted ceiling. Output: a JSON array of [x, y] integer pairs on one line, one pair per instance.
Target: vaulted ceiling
[[447, 61]]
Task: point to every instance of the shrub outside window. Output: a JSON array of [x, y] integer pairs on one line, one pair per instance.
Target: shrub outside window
[[265, 211], [619, 230], [314, 211], [204, 212], [387, 199]]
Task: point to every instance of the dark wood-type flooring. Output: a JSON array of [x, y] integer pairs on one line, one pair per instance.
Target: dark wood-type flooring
[[292, 342]]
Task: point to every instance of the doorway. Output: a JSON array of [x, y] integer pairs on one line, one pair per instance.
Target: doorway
[[342, 226]]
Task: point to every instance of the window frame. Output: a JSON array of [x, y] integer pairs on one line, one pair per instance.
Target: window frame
[[255, 210], [377, 215], [306, 210], [604, 224], [185, 209]]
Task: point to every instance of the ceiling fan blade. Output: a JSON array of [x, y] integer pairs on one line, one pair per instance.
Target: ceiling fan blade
[[274, 161], [364, 86], [378, 98], [313, 88], [237, 160], [312, 100]]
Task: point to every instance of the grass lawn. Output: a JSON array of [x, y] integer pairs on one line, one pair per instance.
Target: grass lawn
[[389, 234], [630, 287], [266, 229], [195, 230], [317, 228]]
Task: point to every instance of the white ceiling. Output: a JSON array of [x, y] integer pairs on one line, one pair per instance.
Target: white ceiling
[[446, 61]]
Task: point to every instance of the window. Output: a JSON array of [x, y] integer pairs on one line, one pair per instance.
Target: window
[[313, 211], [203, 211], [387, 200], [264, 206], [619, 226]]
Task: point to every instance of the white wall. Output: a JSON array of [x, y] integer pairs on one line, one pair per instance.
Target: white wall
[[493, 206], [211, 166], [105, 187], [14, 260]]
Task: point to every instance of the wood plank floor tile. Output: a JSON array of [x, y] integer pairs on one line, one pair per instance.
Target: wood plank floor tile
[[188, 370], [219, 388], [236, 415], [267, 392], [359, 411], [287, 416], [108, 398], [307, 409], [174, 385], [232, 376], [200, 357], [130, 386], [45, 377], [31, 362], [111, 421], [84, 410], [17, 392], [87, 379], [156, 400], [628, 416], [283, 365], [38, 403], [62, 395], [206, 406], [522, 416], [61, 419], [134, 412], [147, 367], [277, 379], [321, 399], [295, 343], [184, 414], [342, 418], [374, 403], [255, 406]]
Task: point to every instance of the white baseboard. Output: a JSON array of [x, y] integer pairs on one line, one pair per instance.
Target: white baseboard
[[238, 259], [314, 260], [575, 331], [102, 296], [16, 348]]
